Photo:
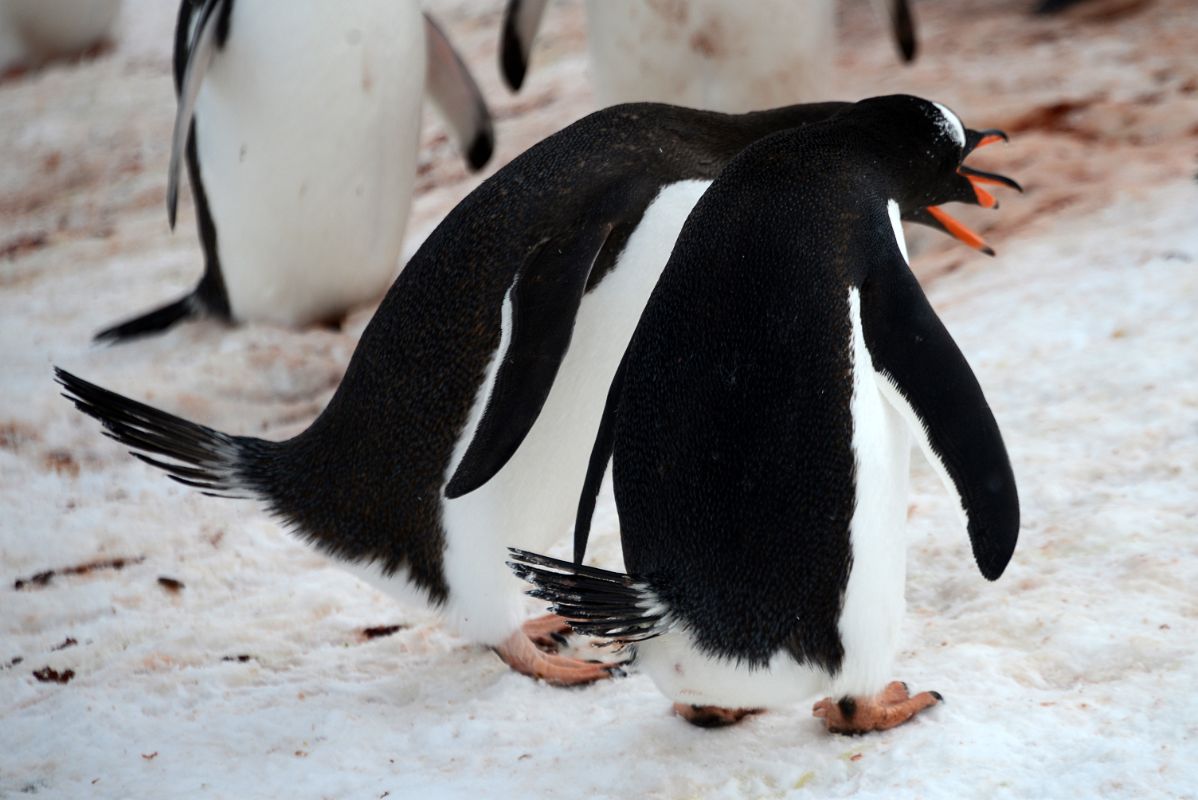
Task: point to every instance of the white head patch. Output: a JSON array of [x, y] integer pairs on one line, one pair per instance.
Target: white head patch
[[951, 125]]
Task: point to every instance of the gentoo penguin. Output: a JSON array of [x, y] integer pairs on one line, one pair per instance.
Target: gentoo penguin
[[759, 430], [709, 54], [35, 31], [522, 299], [300, 124]]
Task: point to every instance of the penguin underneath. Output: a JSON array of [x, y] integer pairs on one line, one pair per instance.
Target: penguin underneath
[[759, 431], [300, 125], [467, 413], [709, 54]]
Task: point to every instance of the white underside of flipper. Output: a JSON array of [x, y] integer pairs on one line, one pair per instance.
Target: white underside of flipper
[[531, 502], [713, 54], [307, 128], [872, 611]]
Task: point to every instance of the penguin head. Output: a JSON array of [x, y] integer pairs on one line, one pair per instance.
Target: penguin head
[[926, 145]]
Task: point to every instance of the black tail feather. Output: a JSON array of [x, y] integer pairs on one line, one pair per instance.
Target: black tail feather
[[215, 462], [596, 602], [155, 321]]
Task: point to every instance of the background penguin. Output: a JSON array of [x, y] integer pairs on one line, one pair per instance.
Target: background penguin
[[486, 365], [759, 430], [35, 31], [706, 54], [301, 125]]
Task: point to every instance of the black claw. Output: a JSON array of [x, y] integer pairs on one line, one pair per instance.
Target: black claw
[[939, 697], [617, 672], [559, 638]]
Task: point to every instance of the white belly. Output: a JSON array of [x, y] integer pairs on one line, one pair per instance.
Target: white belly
[[872, 613], [713, 54], [307, 127], [532, 501]]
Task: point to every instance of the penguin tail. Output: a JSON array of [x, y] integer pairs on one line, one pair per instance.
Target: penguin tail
[[216, 463], [596, 602], [155, 321]]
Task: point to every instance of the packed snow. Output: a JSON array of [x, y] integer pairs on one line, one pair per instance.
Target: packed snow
[[206, 653]]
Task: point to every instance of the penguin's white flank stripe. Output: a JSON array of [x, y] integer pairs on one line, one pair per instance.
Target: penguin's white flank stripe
[[952, 125], [896, 222], [872, 613], [531, 502]]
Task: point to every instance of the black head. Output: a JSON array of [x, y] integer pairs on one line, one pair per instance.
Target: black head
[[924, 145]]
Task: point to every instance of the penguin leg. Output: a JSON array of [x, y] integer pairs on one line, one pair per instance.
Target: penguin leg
[[519, 653], [713, 716], [891, 708], [547, 632]]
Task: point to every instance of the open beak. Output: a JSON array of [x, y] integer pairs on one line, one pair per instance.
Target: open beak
[[936, 217]]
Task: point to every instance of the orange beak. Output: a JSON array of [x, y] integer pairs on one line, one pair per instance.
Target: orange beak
[[959, 231]]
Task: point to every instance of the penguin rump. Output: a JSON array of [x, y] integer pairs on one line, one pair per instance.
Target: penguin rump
[[468, 411], [759, 429]]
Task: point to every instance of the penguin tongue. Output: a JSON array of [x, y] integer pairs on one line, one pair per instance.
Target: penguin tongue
[[959, 231]]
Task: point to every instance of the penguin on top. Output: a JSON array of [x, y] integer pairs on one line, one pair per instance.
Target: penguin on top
[[713, 54], [759, 430], [467, 413], [299, 125]]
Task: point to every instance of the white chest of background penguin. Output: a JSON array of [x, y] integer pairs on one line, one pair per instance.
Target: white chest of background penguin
[[300, 124], [714, 54], [520, 305], [758, 429]]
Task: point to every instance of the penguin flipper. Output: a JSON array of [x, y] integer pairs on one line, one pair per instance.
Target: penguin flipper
[[601, 452], [199, 57], [597, 602], [902, 26], [927, 380], [521, 20], [458, 98], [538, 319], [151, 322]]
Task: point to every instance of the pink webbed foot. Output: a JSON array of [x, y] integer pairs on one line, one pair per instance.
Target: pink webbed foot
[[894, 706]]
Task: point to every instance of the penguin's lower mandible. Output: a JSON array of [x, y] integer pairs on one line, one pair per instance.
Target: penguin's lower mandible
[[760, 424], [466, 415]]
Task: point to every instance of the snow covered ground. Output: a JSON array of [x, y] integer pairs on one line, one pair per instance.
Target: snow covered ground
[[256, 674]]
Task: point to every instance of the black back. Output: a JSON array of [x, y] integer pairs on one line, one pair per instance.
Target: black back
[[731, 427]]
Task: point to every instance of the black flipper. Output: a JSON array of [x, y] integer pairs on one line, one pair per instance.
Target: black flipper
[[544, 300], [1053, 6], [931, 385], [216, 463], [597, 602], [601, 452], [902, 25], [209, 298], [521, 19], [458, 97], [155, 321], [200, 49]]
